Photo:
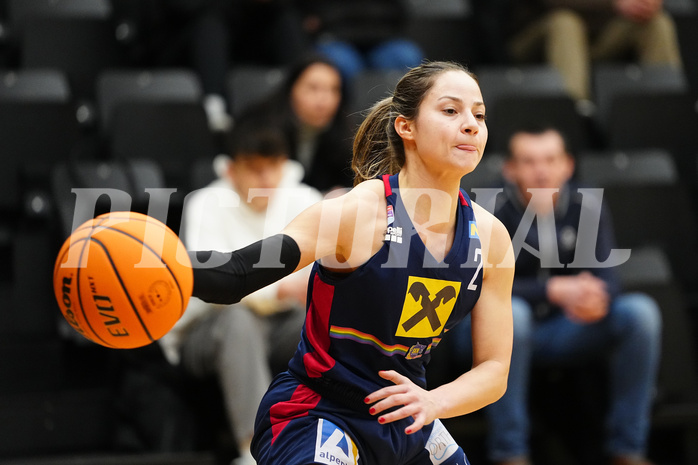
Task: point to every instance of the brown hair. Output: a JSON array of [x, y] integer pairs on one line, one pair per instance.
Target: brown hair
[[378, 148]]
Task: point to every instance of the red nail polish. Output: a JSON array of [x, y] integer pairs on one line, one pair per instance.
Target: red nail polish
[[381, 420], [408, 431], [372, 410], [367, 400]]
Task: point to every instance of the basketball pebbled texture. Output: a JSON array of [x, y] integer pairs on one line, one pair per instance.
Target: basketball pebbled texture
[[123, 279]]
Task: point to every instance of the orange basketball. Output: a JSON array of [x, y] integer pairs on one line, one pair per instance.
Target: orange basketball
[[123, 279]]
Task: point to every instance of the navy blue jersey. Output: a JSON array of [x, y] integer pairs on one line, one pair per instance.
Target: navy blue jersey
[[391, 312]]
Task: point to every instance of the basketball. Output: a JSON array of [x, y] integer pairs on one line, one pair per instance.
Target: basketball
[[122, 279]]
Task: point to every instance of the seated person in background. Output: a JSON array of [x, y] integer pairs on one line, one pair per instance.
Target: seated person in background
[[567, 305], [361, 34], [310, 106], [572, 34], [243, 346]]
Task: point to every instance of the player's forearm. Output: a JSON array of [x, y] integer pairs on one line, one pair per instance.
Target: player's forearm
[[225, 278], [479, 387]]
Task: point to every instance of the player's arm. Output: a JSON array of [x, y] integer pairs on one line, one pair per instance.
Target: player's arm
[[327, 229], [492, 331], [342, 232]]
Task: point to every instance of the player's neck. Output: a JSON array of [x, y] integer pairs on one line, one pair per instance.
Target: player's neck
[[428, 203]]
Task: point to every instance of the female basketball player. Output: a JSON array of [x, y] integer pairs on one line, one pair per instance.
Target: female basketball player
[[399, 260]]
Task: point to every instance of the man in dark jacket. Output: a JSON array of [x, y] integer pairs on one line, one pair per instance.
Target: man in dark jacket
[[567, 304]]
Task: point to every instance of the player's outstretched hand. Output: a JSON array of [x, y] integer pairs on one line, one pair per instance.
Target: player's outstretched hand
[[415, 401]]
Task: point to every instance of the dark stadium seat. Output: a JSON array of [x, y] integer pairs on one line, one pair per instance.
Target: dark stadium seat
[[680, 7], [675, 409], [248, 84], [509, 113], [202, 173], [129, 178], [635, 227], [366, 89], [20, 10], [33, 135], [687, 31], [530, 80], [123, 85], [646, 266], [632, 167], [441, 37], [28, 310], [173, 134], [21, 85], [667, 120], [370, 86], [637, 181], [79, 46], [611, 80]]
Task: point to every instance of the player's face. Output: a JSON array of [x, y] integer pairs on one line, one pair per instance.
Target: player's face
[[449, 131], [256, 172], [316, 95], [538, 161]]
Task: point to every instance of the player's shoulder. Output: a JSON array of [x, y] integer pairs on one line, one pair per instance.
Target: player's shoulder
[[483, 217], [493, 234], [364, 197], [374, 186], [367, 192]]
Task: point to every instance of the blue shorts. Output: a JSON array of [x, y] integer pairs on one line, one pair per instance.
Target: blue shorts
[[296, 426]]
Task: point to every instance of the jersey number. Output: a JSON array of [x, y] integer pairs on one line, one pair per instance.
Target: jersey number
[[472, 286]]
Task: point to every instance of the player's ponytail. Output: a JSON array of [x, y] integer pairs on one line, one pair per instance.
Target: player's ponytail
[[378, 149]]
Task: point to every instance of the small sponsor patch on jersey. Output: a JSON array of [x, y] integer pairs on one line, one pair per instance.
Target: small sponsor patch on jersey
[[416, 351], [393, 234], [391, 215], [472, 226], [440, 444], [333, 446], [428, 304]]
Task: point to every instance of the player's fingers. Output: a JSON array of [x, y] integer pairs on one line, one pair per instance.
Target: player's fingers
[[384, 393], [394, 400], [419, 422], [394, 376], [401, 384], [418, 416], [404, 412]]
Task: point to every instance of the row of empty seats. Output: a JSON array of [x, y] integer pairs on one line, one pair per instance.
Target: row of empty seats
[[82, 37], [157, 115], [632, 99]]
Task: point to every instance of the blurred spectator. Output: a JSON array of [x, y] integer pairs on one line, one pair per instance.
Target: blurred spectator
[[310, 105], [211, 36], [361, 34], [244, 344], [567, 303], [572, 34]]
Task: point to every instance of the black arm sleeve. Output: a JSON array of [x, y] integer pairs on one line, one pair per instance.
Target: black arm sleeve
[[227, 277]]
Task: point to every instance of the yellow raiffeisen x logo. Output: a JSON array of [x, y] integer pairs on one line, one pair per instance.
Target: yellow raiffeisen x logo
[[428, 304]]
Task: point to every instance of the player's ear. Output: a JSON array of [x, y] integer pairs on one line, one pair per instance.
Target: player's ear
[[404, 128]]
